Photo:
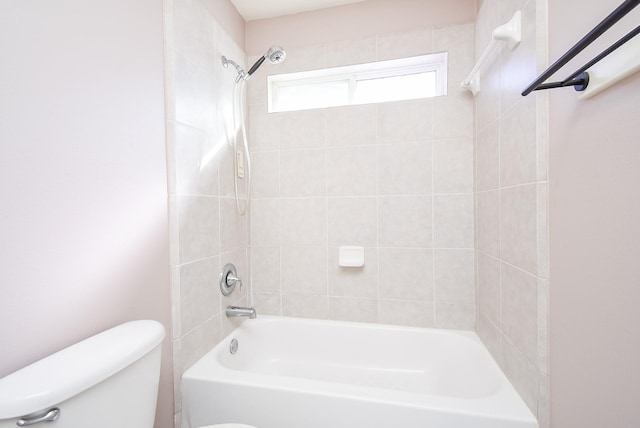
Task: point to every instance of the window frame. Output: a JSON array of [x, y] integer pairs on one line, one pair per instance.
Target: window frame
[[352, 74]]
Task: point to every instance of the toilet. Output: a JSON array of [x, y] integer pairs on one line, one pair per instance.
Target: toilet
[[108, 380]]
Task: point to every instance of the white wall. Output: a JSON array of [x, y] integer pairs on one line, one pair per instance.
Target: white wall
[[83, 222], [594, 211], [355, 21]]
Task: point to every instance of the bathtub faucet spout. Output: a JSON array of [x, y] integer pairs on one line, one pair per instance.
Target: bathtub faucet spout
[[238, 311]]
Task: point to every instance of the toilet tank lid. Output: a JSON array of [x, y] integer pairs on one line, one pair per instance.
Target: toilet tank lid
[[73, 370]]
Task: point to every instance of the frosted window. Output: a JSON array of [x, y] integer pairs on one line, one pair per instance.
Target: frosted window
[[408, 87], [317, 95], [402, 79]]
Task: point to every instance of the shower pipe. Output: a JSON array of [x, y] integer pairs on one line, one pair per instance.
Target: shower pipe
[[275, 55]]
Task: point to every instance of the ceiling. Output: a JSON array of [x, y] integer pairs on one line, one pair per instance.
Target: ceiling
[[260, 9]]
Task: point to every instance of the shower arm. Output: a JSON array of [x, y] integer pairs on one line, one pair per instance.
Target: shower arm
[[241, 73]]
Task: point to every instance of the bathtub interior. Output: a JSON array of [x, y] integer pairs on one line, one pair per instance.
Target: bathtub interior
[[421, 361], [292, 373]]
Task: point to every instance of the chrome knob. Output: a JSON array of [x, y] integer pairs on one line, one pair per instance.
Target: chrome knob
[[228, 279], [232, 280]]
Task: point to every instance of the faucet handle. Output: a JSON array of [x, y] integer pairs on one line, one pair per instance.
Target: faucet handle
[[228, 279], [233, 279]]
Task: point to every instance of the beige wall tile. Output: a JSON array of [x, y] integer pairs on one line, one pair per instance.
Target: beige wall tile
[[265, 269], [457, 40], [542, 217], [304, 270], [196, 169], [353, 309], [304, 221], [488, 158], [522, 375], [414, 313], [227, 172], [453, 166], [460, 316], [265, 221], [351, 171], [518, 144], [199, 292], [544, 403], [175, 303], [518, 67], [267, 304], [174, 231], [453, 115], [518, 227], [351, 125], [233, 227], [265, 129], [406, 274], [488, 222], [265, 171], [543, 326], [405, 168], [491, 337], [405, 221], [205, 229], [354, 281], [197, 342], [177, 375], [353, 221], [193, 86], [511, 173], [305, 306], [542, 144], [519, 297], [488, 288], [303, 173], [302, 129], [488, 99], [454, 276], [376, 189], [199, 233], [405, 120], [453, 221]]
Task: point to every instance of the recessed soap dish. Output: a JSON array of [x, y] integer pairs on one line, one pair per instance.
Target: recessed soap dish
[[351, 257]]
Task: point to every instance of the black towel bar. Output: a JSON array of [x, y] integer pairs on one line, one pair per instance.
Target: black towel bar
[[580, 79]]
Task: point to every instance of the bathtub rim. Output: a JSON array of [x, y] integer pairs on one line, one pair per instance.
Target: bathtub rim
[[505, 403]]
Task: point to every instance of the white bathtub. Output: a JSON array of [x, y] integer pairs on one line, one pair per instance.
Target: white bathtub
[[298, 373]]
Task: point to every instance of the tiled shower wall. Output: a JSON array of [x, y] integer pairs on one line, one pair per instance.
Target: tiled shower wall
[[511, 198], [395, 178], [206, 231]]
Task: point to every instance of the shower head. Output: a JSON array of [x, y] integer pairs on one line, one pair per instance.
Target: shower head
[[275, 55]]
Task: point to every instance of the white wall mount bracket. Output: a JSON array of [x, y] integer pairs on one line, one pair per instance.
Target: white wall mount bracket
[[511, 33]]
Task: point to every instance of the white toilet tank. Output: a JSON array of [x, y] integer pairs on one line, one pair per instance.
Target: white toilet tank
[[106, 381]]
